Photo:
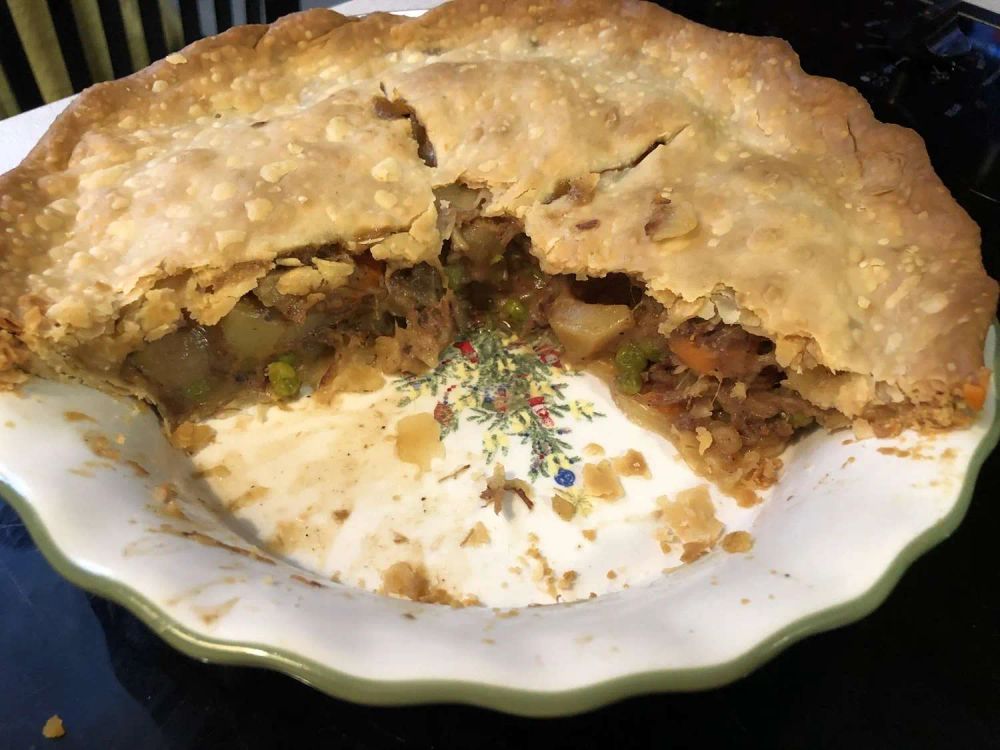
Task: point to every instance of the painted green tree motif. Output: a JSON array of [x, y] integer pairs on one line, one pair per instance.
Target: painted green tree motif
[[512, 389]]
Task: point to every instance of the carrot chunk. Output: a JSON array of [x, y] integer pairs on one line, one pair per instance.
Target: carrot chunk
[[701, 359], [974, 395]]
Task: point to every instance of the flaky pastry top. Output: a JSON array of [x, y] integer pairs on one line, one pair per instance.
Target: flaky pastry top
[[708, 165]]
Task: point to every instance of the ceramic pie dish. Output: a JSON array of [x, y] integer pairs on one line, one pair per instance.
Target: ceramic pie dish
[[830, 544], [266, 543]]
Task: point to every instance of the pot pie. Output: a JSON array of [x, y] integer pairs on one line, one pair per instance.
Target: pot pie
[[740, 249]]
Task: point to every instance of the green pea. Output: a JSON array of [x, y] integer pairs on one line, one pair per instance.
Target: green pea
[[455, 275], [652, 350], [630, 358], [513, 312], [283, 379], [198, 390], [289, 358], [798, 421], [629, 382]]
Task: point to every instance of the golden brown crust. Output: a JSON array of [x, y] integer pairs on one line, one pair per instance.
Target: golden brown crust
[[174, 189], [775, 198]]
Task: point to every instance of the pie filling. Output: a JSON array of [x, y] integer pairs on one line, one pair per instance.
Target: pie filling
[[286, 334], [335, 321]]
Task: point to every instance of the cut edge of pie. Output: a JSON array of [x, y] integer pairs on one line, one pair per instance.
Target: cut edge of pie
[[739, 248]]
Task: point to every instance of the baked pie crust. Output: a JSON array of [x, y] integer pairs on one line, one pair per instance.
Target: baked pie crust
[[609, 137]]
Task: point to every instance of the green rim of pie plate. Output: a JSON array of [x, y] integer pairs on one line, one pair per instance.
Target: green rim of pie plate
[[510, 700]]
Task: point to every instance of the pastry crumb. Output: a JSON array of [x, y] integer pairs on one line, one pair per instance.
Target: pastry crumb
[[411, 581], [404, 580], [893, 451], [589, 534], [192, 438], [737, 542], [54, 728], [568, 580], [351, 377], [100, 446], [705, 439], [691, 519], [544, 574], [631, 464], [593, 450], [601, 481], [862, 429], [693, 551], [563, 507]]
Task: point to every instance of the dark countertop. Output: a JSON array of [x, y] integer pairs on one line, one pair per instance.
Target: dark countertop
[[922, 671]]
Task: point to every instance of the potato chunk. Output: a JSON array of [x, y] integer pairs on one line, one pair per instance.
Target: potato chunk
[[584, 329], [251, 333]]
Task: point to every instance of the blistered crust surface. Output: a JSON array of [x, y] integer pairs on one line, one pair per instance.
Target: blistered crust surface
[[714, 168]]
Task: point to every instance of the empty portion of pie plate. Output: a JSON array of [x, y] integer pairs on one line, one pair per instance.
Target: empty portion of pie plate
[[593, 503], [240, 563]]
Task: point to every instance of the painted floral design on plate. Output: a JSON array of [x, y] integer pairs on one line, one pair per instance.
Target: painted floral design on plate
[[515, 390]]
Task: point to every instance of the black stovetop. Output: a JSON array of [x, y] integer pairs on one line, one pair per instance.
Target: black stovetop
[[922, 671]]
